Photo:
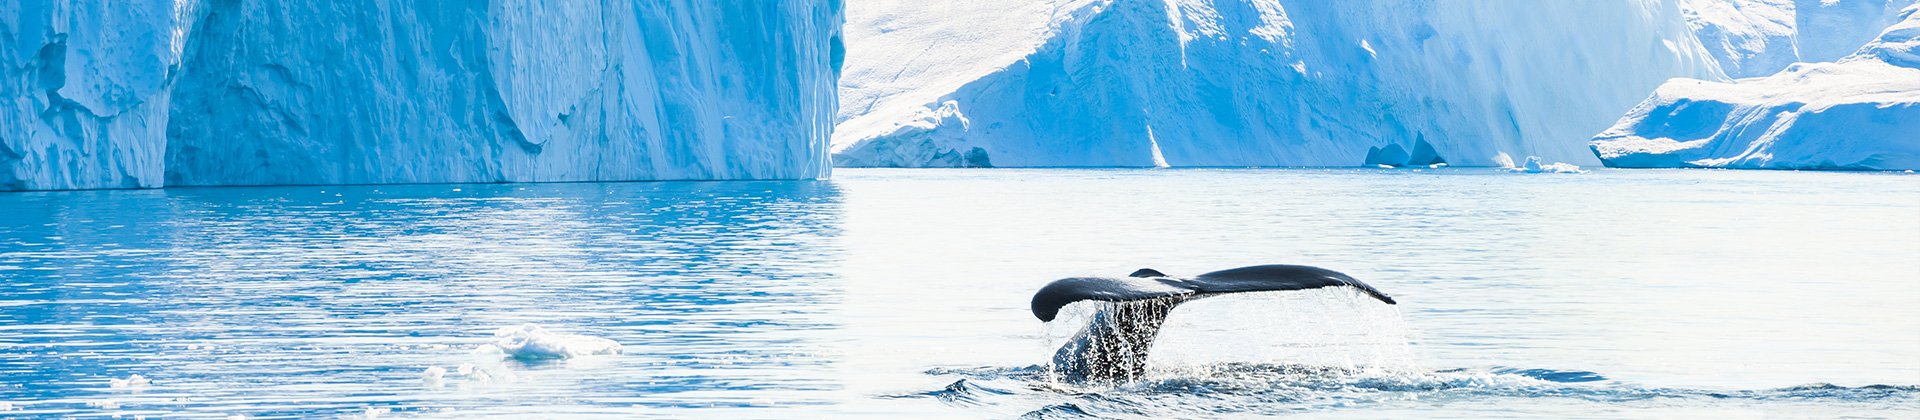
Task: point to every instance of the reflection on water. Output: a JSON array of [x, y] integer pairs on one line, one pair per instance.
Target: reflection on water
[[314, 300], [904, 294]]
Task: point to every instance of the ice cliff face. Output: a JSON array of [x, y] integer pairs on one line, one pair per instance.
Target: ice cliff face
[[1294, 83], [86, 86], [249, 92], [1759, 37], [1862, 112]]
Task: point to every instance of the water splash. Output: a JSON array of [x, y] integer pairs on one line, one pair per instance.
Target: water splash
[[1283, 388]]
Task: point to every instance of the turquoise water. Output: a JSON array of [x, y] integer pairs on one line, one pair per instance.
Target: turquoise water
[[893, 293]]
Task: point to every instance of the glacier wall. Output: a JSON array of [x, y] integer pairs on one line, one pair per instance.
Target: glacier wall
[[1862, 112], [86, 86], [1297, 83], [258, 92]]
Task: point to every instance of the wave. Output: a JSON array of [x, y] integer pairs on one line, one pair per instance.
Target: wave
[[1288, 388]]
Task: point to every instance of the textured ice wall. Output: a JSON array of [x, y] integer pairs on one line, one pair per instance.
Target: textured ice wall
[[1297, 82], [1862, 112], [85, 85], [250, 92]]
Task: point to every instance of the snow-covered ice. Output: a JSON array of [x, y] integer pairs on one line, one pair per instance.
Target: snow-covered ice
[[1294, 82], [1759, 37], [1536, 166], [1266, 83], [533, 342], [1862, 112], [123, 94]]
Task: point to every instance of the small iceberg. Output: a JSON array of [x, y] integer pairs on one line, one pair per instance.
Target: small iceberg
[[533, 342], [434, 377], [1535, 166], [131, 382]]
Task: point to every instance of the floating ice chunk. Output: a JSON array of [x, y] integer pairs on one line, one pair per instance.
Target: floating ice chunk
[[374, 412], [104, 404], [131, 382], [6, 406], [434, 377], [1535, 166], [532, 342]]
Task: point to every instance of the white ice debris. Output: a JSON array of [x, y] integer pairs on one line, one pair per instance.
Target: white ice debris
[[1535, 166], [533, 342], [434, 377], [134, 381]]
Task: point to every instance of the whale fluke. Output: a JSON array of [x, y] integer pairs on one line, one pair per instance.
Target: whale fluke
[[1147, 283], [1147, 272], [1114, 345]]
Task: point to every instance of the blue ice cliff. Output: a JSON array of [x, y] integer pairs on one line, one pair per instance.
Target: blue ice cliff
[[1296, 82], [1860, 112], [131, 94]]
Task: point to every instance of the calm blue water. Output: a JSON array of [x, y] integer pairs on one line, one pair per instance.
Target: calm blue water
[[895, 293]]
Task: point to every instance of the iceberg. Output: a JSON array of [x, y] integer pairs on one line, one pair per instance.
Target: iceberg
[[141, 94], [533, 342], [1264, 83], [1750, 38], [1860, 113]]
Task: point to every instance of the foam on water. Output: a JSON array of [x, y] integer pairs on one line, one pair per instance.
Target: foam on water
[[1312, 351]]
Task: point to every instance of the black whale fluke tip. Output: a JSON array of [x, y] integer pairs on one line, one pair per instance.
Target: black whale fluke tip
[[1147, 272], [1384, 298]]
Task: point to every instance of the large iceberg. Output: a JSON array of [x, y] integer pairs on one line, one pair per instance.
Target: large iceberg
[[107, 94], [1862, 112], [1291, 83], [1294, 82]]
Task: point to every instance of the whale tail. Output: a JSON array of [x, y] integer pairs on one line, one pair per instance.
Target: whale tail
[[1147, 283], [1114, 345], [1146, 272]]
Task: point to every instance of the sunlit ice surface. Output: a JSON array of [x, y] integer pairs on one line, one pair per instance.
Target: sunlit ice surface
[[893, 293]]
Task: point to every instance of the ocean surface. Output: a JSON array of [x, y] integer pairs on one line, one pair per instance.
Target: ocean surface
[[904, 293]]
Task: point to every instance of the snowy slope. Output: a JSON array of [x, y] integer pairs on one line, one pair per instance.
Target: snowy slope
[[908, 52], [1297, 82], [1759, 37], [1862, 112], [927, 80], [251, 92]]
